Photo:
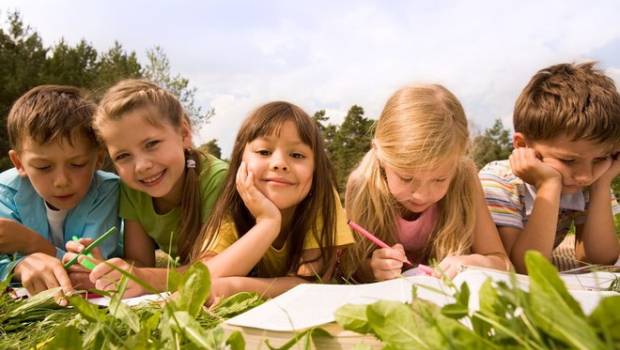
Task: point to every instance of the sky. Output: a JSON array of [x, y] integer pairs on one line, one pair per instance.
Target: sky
[[333, 54]]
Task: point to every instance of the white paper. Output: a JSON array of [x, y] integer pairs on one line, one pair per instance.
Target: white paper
[[311, 305], [147, 298]]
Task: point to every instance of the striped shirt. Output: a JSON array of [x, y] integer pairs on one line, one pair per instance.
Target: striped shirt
[[511, 200]]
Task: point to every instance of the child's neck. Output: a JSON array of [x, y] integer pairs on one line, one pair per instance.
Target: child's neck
[[406, 214], [287, 218], [172, 199]]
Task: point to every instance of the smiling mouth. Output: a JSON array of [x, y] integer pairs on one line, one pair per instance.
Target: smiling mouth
[[280, 182], [153, 179]]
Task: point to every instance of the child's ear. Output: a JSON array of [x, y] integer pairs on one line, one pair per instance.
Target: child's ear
[[17, 162], [519, 140], [101, 153], [186, 134]]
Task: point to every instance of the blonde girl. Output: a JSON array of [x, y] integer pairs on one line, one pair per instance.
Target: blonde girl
[[417, 190], [279, 219], [168, 188]]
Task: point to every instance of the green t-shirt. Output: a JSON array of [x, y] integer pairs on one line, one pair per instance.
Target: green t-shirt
[[138, 206]]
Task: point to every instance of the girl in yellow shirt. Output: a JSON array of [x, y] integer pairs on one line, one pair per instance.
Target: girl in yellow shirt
[[279, 216]]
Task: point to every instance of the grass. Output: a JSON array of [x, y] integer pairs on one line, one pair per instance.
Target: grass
[[546, 317]]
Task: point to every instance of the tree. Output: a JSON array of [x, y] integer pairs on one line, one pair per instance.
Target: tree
[[494, 144], [115, 65], [157, 69], [25, 63], [351, 141], [328, 131], [22, 59], [211, 148]]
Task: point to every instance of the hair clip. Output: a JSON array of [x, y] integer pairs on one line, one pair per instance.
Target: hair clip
[[190, 163]]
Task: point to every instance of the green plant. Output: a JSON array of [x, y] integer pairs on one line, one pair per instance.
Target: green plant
[[545, 317], [183, 322]]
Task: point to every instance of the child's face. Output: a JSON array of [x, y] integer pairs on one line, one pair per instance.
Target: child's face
[[282, 166], [59, 172], [149, 158], [580, 162], [418, 191]]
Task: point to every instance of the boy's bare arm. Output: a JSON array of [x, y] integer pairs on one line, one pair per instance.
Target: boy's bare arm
[[15, 237], [540, 230], [596, 241]]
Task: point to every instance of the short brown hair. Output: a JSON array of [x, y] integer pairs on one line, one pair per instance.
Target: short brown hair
[[577, 100], [49, 113]]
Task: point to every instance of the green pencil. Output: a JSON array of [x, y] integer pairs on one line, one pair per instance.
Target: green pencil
[[91, 246]]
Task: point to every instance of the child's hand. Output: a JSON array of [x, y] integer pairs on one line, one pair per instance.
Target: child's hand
[[387, 263], [450, 266], [107, 278], [257, 203], [612, 172], [39, 272], [78, 274], [528, 166], [78, 246]]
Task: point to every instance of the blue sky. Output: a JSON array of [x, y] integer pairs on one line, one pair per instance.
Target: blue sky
[[333, 54]]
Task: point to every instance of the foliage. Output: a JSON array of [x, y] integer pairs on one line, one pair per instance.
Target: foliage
[[545, 317], [346, 143], [494, 144], [183, 322], [157, 69], [25, 63], [212, 148]]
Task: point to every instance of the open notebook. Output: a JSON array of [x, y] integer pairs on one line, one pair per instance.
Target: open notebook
[[311, 305]]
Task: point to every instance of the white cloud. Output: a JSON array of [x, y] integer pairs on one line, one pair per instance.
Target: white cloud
[[325, 55]]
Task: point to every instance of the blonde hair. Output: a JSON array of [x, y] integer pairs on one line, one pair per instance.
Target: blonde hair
[[132, 94], [420, 127]]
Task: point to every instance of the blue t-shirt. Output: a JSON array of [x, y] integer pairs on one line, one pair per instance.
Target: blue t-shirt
[[94, 214]]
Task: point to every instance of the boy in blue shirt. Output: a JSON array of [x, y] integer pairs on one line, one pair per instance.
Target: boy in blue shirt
[[54, 192]]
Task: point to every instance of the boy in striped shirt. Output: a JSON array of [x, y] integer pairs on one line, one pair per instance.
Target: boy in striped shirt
[[566, 143]]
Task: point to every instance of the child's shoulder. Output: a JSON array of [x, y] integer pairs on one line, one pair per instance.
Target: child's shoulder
[[213, 166], [10, 179], [499, 169], [106, 180]]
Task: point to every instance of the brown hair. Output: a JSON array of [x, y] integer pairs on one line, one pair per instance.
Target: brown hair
[[51, 113], [320, 203], [132, 94], [577, 100]]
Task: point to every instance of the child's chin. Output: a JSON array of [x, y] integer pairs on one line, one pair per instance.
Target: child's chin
[[571, 189]]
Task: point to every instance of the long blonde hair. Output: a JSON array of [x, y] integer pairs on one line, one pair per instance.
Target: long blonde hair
[[420, 127]]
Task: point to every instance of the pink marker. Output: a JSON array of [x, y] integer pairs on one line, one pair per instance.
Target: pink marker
[[362, 231]]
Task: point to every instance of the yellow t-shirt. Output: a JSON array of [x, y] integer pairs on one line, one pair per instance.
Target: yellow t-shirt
[[273, 263]]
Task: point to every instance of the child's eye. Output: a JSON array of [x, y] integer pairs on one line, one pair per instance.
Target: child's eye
[[567, 161], [43, 168], [297, 155], [601, 159], [405, 179], [440, 180], [78, 165], [263, 152], [120, 157], [151, 144]]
